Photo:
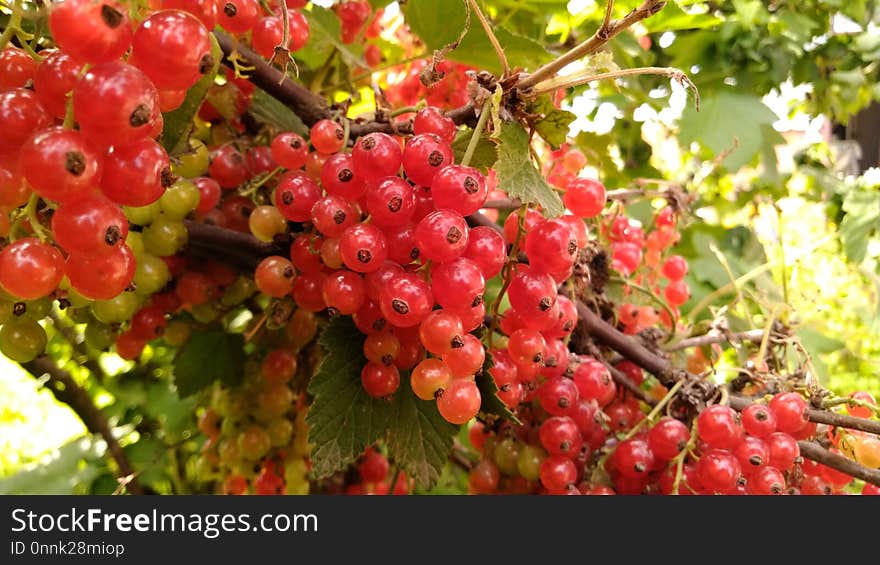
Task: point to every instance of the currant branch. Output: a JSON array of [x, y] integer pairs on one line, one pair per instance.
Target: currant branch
[[67, 391]]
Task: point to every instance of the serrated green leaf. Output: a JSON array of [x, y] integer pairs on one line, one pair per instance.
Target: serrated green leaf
[[179, 123], [725, 117], [484, 155], [440, 22], [343, 419], [552, 123], [269, 110], [164, 404], [491, 406], [206, 357], [325, 37], [517, 174], [862, 218], [419, 439]]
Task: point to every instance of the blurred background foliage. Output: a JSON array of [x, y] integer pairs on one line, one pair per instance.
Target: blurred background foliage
[[784, 219]]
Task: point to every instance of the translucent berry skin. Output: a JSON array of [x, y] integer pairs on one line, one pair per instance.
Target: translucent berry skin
[[101, 277], [790, 410], [228, 167], [363, 248], [269, 32], [89, 226], [16, 68], [136, 174], [402, 246], [428, 377], [486, 248], [209, 194], [460, 401], [60, 164], [296, 195], [633, 458], [558, 396], [667, 438], [21, 113], [442, 235], [173, 48], [116, 104], [584, 197], [380, 381], [717, 426], [275, 276], [559, 435], [459, 188], [718, 471], [374, 466], [331, 215], [376, 155], [238, 16], [338, 177], [289, 150], [766, 481], [566, 320], [204, 10], [344, 291], [676, 293], [675, 267], [758, 420], [406, 300], [30, 269], [753, 454], [89, 31], [424, 156], [390, 201], [56, 76], [458, 284], [467, 360], [472, 318], [533, 295], [327, 136], [307, 292], [551, 246], [511, 224], [432, 120], [783, 450], [557, 473]]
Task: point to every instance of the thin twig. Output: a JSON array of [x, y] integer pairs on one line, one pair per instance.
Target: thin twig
[[815, 452], [603, 35], [505, 67], [753, 336], [570, 81], [66, 390]]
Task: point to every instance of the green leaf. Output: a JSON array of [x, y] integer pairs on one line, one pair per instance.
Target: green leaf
[[552, 123], [673, 18], [325, 33], [491, 407], [343, 419], [517, 173], [419, 439], [269, 110], [725, 117], [440, 22], [164, 404], [862, 218], [208, 356], [179, 122], [484, 155]]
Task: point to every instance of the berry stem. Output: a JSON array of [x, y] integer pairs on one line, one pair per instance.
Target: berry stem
[[603, 35], [505, 66], [832, 402], [682, 455], [13, 24], [653, 414], [507, 271], [655, 299], [478, 131], [30, 212]]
